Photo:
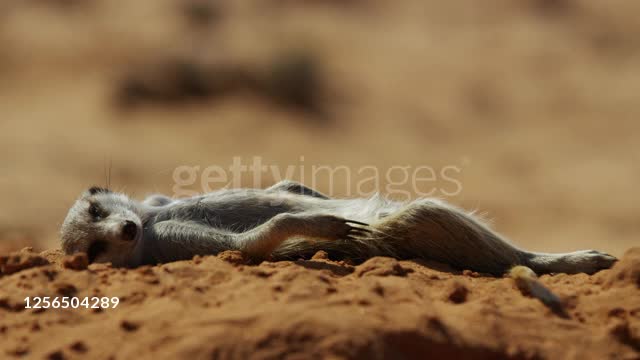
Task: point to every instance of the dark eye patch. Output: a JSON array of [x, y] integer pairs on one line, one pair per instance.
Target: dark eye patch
[[96, 211], [97, 247]]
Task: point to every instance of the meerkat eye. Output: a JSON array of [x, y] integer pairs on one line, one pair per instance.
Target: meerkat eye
[[95, 211]]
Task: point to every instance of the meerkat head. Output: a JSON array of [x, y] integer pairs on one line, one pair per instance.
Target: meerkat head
[[105, 225]]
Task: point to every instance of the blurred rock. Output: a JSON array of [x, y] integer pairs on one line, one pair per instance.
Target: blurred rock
[[168, 82], [202, 13], [293, 80], [552, 7]]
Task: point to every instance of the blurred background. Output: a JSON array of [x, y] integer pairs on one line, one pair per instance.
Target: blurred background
[[535, 102]]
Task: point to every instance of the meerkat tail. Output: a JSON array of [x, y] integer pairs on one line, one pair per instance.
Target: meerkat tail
[[527, 281]]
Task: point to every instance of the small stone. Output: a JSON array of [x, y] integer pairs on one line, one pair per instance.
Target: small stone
[[381, 266], [129, 326], [320, 255], [79, 347], [233, 257], [458, 293], [78, 261]]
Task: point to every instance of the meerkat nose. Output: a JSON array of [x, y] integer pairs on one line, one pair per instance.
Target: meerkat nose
[[129, 230]]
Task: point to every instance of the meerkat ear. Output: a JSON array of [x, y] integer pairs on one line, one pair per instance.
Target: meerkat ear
[[96, 190]]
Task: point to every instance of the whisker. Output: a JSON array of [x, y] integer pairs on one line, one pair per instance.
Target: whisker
[[109, 173]]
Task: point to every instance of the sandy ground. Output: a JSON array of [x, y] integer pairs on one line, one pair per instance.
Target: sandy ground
[[533, 104], [217, 307]]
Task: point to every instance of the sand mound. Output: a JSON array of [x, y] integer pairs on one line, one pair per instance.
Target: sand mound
[[627, 271], [384, 308], [17, 261]]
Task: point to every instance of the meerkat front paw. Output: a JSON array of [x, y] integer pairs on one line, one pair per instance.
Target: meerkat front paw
[[157, 200], [334, 227]]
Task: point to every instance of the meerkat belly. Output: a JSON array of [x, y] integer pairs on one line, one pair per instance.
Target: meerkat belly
[[367, 210], [238, 211]]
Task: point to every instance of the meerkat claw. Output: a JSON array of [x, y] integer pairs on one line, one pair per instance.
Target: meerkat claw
[[356, 222], [359, 232]]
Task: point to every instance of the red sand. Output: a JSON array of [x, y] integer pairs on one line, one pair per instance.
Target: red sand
[[216, 306]]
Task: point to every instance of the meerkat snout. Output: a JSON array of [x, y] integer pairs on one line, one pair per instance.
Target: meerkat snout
[[129, 230]]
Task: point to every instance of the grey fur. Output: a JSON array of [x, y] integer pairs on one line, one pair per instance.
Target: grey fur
[[290, 220]]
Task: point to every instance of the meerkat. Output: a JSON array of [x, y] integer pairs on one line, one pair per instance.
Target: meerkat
[[289, 221]]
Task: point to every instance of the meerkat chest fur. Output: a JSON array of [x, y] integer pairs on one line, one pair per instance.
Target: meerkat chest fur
[[242, 210]]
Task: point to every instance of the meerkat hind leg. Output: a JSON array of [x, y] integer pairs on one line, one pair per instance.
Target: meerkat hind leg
[[260, 242], [441, 232], [586, 261], [435, 230]]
